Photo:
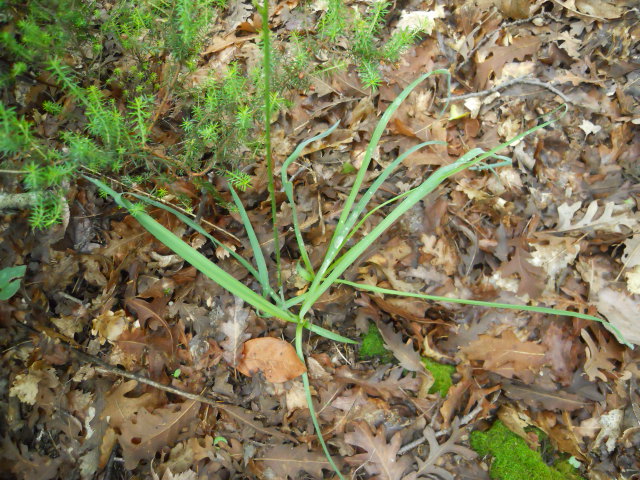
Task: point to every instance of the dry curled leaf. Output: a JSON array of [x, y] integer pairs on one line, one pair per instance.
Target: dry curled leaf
[[234, 329], [427, 468], [275, 358], [404, 352]]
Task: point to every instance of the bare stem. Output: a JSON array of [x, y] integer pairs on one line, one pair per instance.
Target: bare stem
[[266, 43]]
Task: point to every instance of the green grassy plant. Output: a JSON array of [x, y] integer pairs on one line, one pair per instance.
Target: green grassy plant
[[115, 141], [339, 255]]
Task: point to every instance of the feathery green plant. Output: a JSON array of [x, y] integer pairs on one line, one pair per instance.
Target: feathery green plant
[[362, 32]]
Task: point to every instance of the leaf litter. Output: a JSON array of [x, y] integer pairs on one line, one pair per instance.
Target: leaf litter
[[558, 227]]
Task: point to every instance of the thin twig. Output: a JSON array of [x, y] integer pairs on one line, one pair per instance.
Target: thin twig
[[509, 83]]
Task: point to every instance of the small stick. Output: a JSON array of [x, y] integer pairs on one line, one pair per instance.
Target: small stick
[[509, 83]]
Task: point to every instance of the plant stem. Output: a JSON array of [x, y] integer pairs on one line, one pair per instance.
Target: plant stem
[[267, 133]]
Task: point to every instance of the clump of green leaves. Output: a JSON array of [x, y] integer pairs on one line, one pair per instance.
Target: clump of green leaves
[[147, 28], [442, 374], [372, 346], [219, 104], [39, 30], [511, 457], [362, 32]]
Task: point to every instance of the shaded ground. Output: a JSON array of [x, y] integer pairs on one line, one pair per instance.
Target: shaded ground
[[559, 227]]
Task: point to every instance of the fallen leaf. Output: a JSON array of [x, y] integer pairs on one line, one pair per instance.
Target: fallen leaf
[[597, 362], [380, 458], [427, 468], [608, 219], [234, 329], [622, 311], [392, 386], [404, 352], [532, 278], [275, 358], [140, 432], [500, 55], [287, 461], [544, 399], [508, 355]]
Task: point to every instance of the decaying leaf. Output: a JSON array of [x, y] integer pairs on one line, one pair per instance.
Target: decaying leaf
[[608, 219], [234, 329], [597, 361], [275, 358], [500, 55], [532, 278], [394, 385], [508, 355], [287, 461], [141, 432], [404, 352], [110, 325], [379, 457], [427, 468], [36, 386], [26, 464], [622, 311], [538, 398]]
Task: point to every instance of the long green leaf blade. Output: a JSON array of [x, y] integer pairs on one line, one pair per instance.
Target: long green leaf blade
[[480, 303]]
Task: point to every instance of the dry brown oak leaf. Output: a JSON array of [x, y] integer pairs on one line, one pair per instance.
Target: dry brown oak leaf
[[275, 358], [140, 432], [379, 457], [508, 355]]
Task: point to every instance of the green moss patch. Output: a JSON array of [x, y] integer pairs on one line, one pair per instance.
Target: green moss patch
[[512, 457], [373, 346], [441, 376]]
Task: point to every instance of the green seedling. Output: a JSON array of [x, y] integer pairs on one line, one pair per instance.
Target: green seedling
[[10, 281]]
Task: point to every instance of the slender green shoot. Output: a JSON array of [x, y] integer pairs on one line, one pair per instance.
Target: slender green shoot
[[266, 59], [480, 303]]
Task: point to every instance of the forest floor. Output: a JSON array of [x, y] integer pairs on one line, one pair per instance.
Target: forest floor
[[107, 320]]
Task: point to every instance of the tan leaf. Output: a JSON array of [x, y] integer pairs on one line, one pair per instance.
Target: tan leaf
[[622, 311], [380, 458], [532, 278], [275, 358], [288, 462], [234, 329], [508, 356], [598, 362], [519, 49], [538, 398], [36, 385], [609, 218]]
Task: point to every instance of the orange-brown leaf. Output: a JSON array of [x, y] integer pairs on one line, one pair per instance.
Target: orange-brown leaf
[[275, 358]]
